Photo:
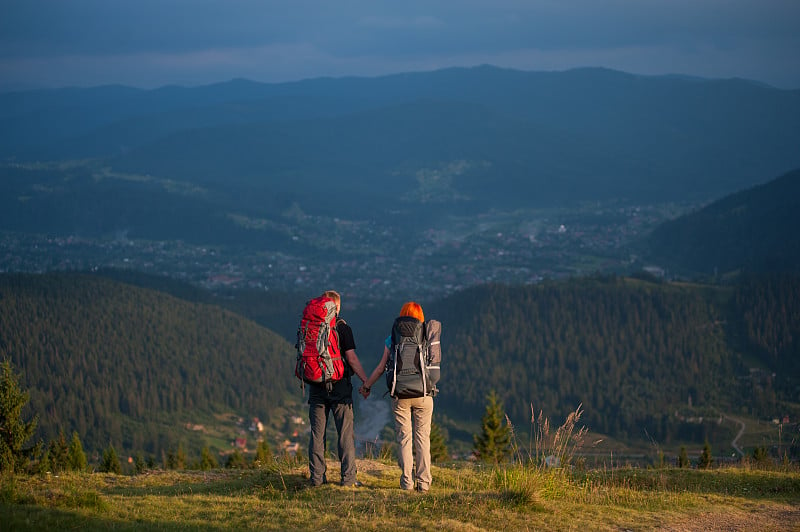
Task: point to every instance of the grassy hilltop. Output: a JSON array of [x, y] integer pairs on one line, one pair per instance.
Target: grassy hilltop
[[464, 496]]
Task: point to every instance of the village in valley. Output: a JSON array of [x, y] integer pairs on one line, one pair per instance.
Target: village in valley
[[369, 262], [243, 435]]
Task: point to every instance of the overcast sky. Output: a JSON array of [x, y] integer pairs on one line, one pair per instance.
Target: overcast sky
[[151, 43]]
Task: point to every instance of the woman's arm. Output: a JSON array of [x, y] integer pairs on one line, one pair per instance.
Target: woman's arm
[[376, 374]]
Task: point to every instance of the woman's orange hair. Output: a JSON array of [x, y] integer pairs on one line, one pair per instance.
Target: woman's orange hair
[[413, 310]]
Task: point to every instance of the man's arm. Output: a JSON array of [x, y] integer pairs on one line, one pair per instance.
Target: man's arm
[[355, 364]]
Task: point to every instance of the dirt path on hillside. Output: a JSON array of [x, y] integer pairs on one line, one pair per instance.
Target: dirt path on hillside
[[761, 518]]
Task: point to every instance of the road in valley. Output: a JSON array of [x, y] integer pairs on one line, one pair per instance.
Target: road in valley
[[742, 427]]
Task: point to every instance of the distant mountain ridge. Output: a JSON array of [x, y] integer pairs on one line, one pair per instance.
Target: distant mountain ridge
[[519, 138]]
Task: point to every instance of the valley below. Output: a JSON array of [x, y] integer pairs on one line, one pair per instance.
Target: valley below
[[370, 261]]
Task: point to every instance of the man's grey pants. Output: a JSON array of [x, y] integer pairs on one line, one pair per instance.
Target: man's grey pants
[[318, 418]]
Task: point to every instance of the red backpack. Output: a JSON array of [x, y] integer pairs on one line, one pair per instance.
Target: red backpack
[[318, 357]]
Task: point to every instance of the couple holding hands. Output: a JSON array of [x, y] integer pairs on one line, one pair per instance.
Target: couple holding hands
[[412, 415]]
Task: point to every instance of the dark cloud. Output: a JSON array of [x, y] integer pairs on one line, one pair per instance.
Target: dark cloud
[[152, 42]]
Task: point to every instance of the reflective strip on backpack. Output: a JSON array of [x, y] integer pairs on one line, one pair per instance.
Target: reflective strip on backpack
[[422, 354], [394, 372], [437, 342]]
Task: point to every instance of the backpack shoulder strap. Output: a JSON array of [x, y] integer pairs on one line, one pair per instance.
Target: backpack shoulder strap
[[348, 370]]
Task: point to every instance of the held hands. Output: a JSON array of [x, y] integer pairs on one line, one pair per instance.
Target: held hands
[[364, 391]]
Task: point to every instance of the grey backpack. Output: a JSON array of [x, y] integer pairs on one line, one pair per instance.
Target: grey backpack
[[414, 358]]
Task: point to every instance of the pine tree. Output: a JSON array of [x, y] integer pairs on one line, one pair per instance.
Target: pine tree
[[207, 460], [683, 458], [76, 457], [177, 459], [438, 444], [14, 431], [58, 450], [760, 455], [264, 455], [110, 462], [44, 463], [493, 444], [705, 457], [139, 464], [170, 461], [236, 460], [181, 457]]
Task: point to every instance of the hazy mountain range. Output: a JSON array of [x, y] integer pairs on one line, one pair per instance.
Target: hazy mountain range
[[459, 139]]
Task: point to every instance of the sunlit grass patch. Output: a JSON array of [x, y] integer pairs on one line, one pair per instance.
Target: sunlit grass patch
[[463, 496], [72, 491]]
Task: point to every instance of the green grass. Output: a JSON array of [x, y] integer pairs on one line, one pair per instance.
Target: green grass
[[464, 496]]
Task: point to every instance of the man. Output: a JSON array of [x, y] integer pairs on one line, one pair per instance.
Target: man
[[339, 401]]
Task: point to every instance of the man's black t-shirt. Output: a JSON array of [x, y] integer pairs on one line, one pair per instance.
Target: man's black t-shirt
[[342, 391]]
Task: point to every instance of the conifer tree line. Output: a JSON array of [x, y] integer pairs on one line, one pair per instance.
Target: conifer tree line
[[768, 310], [494, 444], [631, 352], [18, 455], [101, 358], [109, 358], [61, 456]]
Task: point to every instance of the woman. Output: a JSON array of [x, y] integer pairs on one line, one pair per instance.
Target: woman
[[412, 415]]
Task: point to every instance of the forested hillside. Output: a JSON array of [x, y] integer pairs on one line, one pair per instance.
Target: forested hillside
[[769, 310], [122, 365], [277, 311], [633, 353], [125, 365], [752, 230]]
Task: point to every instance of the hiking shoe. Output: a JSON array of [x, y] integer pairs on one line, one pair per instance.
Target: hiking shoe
[[421, 489], [355, 484]]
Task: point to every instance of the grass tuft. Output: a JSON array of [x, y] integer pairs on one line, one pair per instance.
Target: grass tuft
[[518, 485]]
